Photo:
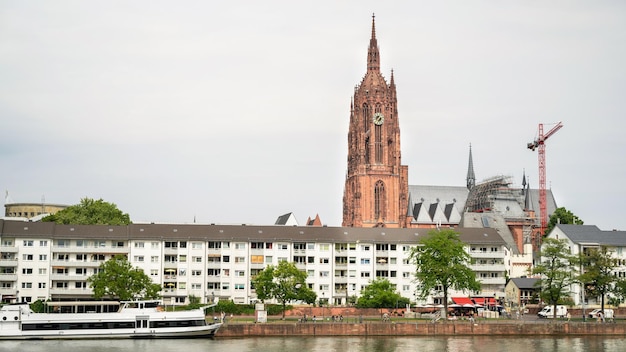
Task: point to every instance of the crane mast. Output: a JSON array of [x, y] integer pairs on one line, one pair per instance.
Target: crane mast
[[540, 145]]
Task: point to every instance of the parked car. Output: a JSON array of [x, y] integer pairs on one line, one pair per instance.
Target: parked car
[[608, 313]]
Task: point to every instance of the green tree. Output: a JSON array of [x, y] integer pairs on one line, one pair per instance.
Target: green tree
[[619, 290], [556, 271], [118, 279], [90, 212], [442, 263], [284, 283], [597, 275], [380, 293], [562, 216]]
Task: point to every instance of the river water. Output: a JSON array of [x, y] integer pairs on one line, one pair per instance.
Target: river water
[[328, 344]]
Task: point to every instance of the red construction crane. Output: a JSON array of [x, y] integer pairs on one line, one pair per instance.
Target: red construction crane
[[539, 143]]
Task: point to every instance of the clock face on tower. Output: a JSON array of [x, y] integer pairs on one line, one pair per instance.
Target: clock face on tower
[[378, 118]]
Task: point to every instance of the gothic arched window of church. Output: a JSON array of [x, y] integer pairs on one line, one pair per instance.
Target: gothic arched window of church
[[379, 200]]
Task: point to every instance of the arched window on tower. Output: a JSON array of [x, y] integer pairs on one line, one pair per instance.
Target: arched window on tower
[[379, 200]]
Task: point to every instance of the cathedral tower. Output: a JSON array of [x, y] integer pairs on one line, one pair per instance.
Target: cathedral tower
[[376, 189]]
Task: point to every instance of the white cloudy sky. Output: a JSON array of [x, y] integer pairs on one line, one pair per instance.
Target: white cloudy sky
[[237, 112]]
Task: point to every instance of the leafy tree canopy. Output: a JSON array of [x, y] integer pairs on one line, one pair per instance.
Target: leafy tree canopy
[[284, 283], [90, 212], [442, 263], [556, 271], [597, 275], [380, 293], [562, 216], [118, 279]]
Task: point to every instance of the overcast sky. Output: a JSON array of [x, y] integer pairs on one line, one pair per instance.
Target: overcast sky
[[237, 111]]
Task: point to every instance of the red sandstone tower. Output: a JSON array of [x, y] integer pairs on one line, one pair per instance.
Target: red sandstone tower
[[376, 190]]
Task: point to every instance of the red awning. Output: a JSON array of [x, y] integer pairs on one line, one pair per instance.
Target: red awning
[[462, 300], [490, 301]]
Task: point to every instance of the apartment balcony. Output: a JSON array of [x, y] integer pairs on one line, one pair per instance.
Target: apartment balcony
[[67, 277], [73, 263], [170, 265], [76, 263], [8, 277], [91, 250], [487, 267], [170, 251], [71, 291], [340, 293], [487, 255], [492, 281], [8, 249], [5, 291], [170, 278], [341, 279], [8, 262]]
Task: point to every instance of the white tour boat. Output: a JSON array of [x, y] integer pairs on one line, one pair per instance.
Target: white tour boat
[[136, 319]]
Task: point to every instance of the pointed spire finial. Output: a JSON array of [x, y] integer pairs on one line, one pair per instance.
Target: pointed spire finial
[[471, 177], [373, 26], [373, 63]]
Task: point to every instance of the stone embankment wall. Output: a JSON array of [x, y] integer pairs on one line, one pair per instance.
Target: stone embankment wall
[[421, 329]]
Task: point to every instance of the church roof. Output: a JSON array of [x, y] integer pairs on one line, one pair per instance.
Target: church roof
[[437, 204]]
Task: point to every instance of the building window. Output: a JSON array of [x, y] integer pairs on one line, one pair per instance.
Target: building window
[[324, 247], [42, 285], [256, 259], [43, 243], [365, 260], [379, 201], [240, 246], [240, 273], [27, 271], [139, 244], [43, 257], [139, 258], [27, 257], [196, 259], [28, 243], [365, 274], [154, 259], [196, 245], [43, 271], [240, 259], [27, 285]]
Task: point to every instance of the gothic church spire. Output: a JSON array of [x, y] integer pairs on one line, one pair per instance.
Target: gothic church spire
[[373, 59], [471, 177]]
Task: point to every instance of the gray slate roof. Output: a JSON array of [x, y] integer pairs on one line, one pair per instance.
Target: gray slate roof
[[244, 233], [525, 282], [591, 234]]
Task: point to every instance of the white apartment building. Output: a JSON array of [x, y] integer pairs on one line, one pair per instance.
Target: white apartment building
[[582, 238], [51, 261]]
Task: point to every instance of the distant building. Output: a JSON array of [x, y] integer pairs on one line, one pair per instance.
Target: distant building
[[43, 260], [31, 210], [377, 193], [287, 220], [522, 291], [582, 238]]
